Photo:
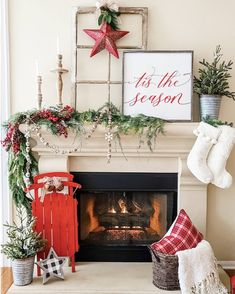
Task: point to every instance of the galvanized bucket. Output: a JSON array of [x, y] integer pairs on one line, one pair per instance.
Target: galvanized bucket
[[23, 271], [210, 106]]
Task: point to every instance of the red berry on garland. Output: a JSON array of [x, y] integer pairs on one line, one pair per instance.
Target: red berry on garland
[[62, 130], [15, 143], [105, 38]]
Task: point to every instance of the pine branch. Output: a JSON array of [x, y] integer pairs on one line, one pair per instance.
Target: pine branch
[[110, 17], [23, 241], [213, 77]]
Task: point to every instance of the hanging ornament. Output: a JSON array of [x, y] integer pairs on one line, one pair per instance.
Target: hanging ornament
[[109, 136], [109, 33], [97, 122], [105, 38], [48, 184], [28, 160], [59, 186]]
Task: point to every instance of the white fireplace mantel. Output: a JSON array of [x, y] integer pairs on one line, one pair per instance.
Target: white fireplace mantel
[[169, 155]]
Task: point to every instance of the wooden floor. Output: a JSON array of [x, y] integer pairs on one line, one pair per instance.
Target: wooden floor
[[6, 279]]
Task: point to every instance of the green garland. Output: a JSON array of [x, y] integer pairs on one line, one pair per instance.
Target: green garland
[[59, 122]]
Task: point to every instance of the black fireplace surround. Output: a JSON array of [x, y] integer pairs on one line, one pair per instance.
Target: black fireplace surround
[[120, 213]]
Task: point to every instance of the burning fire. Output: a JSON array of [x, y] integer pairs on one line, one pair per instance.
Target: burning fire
[[94, 223], [124, 210], [122, 205], [156, 222], [112, 210]]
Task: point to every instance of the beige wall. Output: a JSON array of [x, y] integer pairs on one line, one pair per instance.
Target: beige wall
[[180, 24]]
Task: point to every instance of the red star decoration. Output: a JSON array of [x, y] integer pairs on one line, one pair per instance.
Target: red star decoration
[[105, 38]]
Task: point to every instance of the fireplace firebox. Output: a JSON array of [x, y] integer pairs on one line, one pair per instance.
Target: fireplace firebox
[[121, 213]]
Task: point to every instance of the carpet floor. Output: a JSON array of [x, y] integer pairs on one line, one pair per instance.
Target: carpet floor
[[101, 278]]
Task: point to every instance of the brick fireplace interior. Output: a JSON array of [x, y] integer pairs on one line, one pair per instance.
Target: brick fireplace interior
[[120, 213]]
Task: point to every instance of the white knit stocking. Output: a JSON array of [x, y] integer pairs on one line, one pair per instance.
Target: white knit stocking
[[197, 160], [218, 157]]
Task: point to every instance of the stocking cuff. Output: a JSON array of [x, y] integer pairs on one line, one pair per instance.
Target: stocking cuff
[[227, 134], [208, 132]]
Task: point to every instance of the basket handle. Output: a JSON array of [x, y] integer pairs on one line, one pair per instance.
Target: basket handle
[[154, 253]]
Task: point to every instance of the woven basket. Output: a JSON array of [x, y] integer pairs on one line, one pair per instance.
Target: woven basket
[[165, 270], [23, 271]]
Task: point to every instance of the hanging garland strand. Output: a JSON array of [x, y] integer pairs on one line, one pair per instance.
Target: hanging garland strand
[[22, 164]]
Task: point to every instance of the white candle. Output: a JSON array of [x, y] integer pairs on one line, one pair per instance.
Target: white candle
[[37, 67], [58, 44]]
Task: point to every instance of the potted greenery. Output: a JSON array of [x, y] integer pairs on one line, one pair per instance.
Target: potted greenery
[[22, 246], [212, 84]]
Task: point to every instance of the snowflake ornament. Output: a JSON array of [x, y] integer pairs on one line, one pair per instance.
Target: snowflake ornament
[[108, 136]]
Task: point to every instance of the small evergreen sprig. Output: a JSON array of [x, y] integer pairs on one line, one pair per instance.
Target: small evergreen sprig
[[213, 77], [108, 11], [110, 17], [216, 122], [23, 241]]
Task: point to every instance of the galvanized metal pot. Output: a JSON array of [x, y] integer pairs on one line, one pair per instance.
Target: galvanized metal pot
[[210, 106], [23, 271]]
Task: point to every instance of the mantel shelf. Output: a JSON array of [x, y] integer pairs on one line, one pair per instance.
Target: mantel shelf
[[177, 138]]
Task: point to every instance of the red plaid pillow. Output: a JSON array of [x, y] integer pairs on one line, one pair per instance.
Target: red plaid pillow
[[184, 235]]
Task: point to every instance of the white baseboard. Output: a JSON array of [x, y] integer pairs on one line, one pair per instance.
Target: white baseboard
[[228, 264]]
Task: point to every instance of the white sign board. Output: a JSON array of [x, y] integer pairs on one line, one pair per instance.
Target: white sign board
[[158, 84]]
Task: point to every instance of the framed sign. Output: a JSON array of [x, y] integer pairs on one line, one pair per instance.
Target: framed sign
[[158, 84]]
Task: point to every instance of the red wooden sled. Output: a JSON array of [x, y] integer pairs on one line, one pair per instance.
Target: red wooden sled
[[232, 279], [56, 217]]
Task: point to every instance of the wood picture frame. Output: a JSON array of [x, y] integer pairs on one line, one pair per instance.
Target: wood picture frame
[[158, 84]]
